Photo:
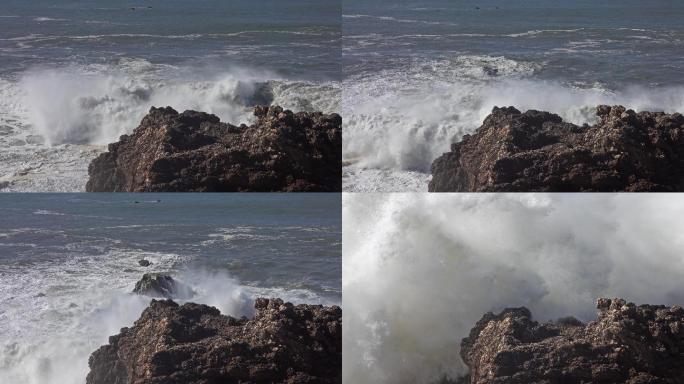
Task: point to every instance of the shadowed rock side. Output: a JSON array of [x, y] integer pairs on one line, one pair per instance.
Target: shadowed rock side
[[162, 285], [195, 344], [626, 344], [194, 151], [537, 151]]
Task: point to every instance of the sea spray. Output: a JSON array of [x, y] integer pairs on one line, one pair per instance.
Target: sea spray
[[56, 351], [78, 109], [400, 120], [420, 270], [81, 105]]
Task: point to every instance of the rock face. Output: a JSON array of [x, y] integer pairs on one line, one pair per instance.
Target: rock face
[[194, 151], [537, 151], [626, 344], [195, 344], [161, 285]]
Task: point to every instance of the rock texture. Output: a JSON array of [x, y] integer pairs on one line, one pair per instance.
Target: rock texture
[[626, 344], [162, 285], [194, 151], [195, 344], [537, 151]]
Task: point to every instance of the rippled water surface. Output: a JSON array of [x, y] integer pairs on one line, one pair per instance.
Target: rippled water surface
[[420, 74], [68, 263], [76, 74]]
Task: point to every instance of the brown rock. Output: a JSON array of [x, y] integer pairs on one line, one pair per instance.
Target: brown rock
[[537, 151], [195, 344], [194, 151], [626, 344]]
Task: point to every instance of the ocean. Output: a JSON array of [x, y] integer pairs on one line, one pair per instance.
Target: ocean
[[68, 264], [418, 75], [420, 269], [76, 74]]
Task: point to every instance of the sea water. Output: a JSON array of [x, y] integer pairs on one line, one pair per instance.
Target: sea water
[[418, 75], [69, 262], [75, 75], [419, 270]]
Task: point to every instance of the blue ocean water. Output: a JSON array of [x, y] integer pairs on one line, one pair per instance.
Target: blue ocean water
[[420, 74], [298, 38], [68, 263], [97, 66]]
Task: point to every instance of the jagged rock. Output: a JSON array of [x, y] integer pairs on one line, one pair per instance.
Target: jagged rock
[[162, 285], [626, 344], [195, 344], [144, 263], [194, 151], [537, 151]]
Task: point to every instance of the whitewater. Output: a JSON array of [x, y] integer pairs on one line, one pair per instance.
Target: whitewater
[[419, 270], [88, 72], [70, 263], [410, 89]]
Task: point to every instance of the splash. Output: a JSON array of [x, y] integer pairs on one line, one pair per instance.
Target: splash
[[401, 120], [420, 270], [96, 104], [59, 319]]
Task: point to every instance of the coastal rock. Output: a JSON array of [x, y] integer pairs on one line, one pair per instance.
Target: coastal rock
[[194, 151], [144, 263], [626, 344], [537, 151], [161, 285], [195, 344]]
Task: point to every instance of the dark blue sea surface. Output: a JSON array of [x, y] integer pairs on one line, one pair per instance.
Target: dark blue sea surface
[[285, 241], [294, 37]]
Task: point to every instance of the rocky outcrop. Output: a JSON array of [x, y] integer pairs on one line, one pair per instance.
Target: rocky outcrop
[[194, 151], [162, 285], [195, 344], [537, 151], [626, 344]]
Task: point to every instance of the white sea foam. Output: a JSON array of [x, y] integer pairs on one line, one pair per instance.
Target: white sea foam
[[400, 120], [42, 19], [56, 313], [419, 270], [80, 108], [398, 20]]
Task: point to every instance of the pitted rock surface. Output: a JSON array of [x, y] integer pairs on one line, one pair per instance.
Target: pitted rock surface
[[195, 344], [194, 151], [537, 151], [625, 344]]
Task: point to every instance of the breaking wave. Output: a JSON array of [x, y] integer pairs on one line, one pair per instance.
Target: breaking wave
[[401, 120], [95, 104], [420, 269]]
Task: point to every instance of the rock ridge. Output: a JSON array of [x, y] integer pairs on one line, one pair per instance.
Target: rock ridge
[[536, 151], [626, 344], [195, 344], [195, 152]]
